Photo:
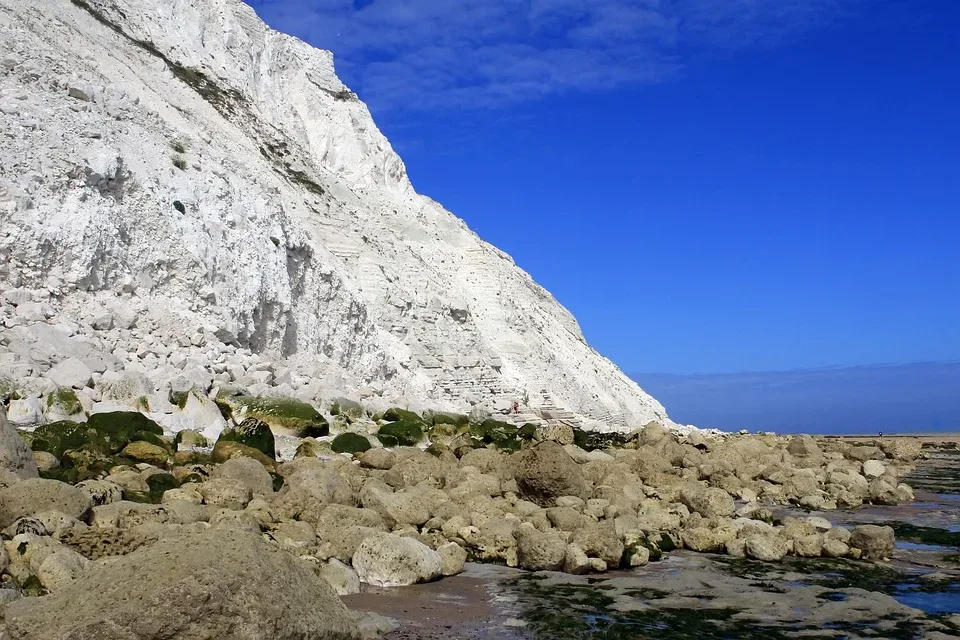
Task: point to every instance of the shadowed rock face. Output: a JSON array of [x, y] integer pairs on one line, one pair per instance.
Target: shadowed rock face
[[222, 177], [16, 459]]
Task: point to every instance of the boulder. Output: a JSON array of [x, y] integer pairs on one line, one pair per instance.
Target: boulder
[[873, 469], [306, 492], [342, 577], [101, 492], [453, 557], [834, 548], [16, 458], [382, 459], [701, 539], [404, 433], [36, 495], [59, 568], [252, 433], [228, 450], [350, 443], [191, 438], [810, 546], [600, 540], [769, 548], [577, 562], [803, 445], [63, 404], [492, 541], [395, 508], [709, 502], [71, 373], [222, 583], [546, 472], [388, 560], [25, 412], [226, 493], [539, 550], [415, 468], [283, 416], [45, 461], [653, 433], [556, 432], [902, 449], [248, 472], [146, 452], [875, 542]]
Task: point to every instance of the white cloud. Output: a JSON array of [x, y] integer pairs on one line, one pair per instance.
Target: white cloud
[[429, 54]]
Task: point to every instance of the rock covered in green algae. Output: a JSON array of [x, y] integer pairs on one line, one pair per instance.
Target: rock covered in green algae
[[63, 403], [350, 443], [284, 416], [403, 432], [104, 433], [252, 433]]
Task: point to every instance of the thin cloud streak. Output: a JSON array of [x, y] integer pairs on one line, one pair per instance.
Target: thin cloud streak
[[422, 55]]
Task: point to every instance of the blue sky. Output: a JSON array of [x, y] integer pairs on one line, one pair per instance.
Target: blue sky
[[708, 185]]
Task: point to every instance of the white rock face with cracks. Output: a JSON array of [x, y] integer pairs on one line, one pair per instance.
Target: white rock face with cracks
[[180, 161]]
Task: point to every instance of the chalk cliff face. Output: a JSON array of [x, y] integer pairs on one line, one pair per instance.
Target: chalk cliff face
[[182, 160]]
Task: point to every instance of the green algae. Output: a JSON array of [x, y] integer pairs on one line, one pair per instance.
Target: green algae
[[66, 400], [925, 535], [350, 443], [252, 433], [404, 432], [282, 415]]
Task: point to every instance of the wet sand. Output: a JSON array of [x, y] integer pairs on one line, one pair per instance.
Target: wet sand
[[463, 606]]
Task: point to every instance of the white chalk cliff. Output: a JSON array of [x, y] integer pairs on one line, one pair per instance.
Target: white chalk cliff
[[179, 161]]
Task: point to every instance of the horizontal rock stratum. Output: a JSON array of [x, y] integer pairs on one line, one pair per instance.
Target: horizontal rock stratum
[[182, 162]]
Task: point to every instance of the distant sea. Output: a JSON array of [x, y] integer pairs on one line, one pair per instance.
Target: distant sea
[[901, 398]]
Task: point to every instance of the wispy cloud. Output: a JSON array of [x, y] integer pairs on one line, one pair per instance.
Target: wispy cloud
[[430, 54]]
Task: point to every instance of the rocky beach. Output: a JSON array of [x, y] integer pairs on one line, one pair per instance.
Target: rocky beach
[[506, 531], [254, 386]]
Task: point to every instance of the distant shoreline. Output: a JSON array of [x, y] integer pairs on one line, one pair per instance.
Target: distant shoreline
[[953, 437]]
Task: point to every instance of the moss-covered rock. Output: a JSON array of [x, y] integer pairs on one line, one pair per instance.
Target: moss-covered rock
[[252, 433], [455, 419], [407, 433], [502, 435], [395, 415], [158, 483], [350, 443], [443, 433], [104, 433], [84, 463], [439, 450], [148, 452], [527, 431], [591, 440], [63, 402], [284, 416], [388, 440], [227, 449], [123, 427]]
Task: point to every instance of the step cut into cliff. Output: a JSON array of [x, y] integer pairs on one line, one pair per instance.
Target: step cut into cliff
[[182, 162]]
